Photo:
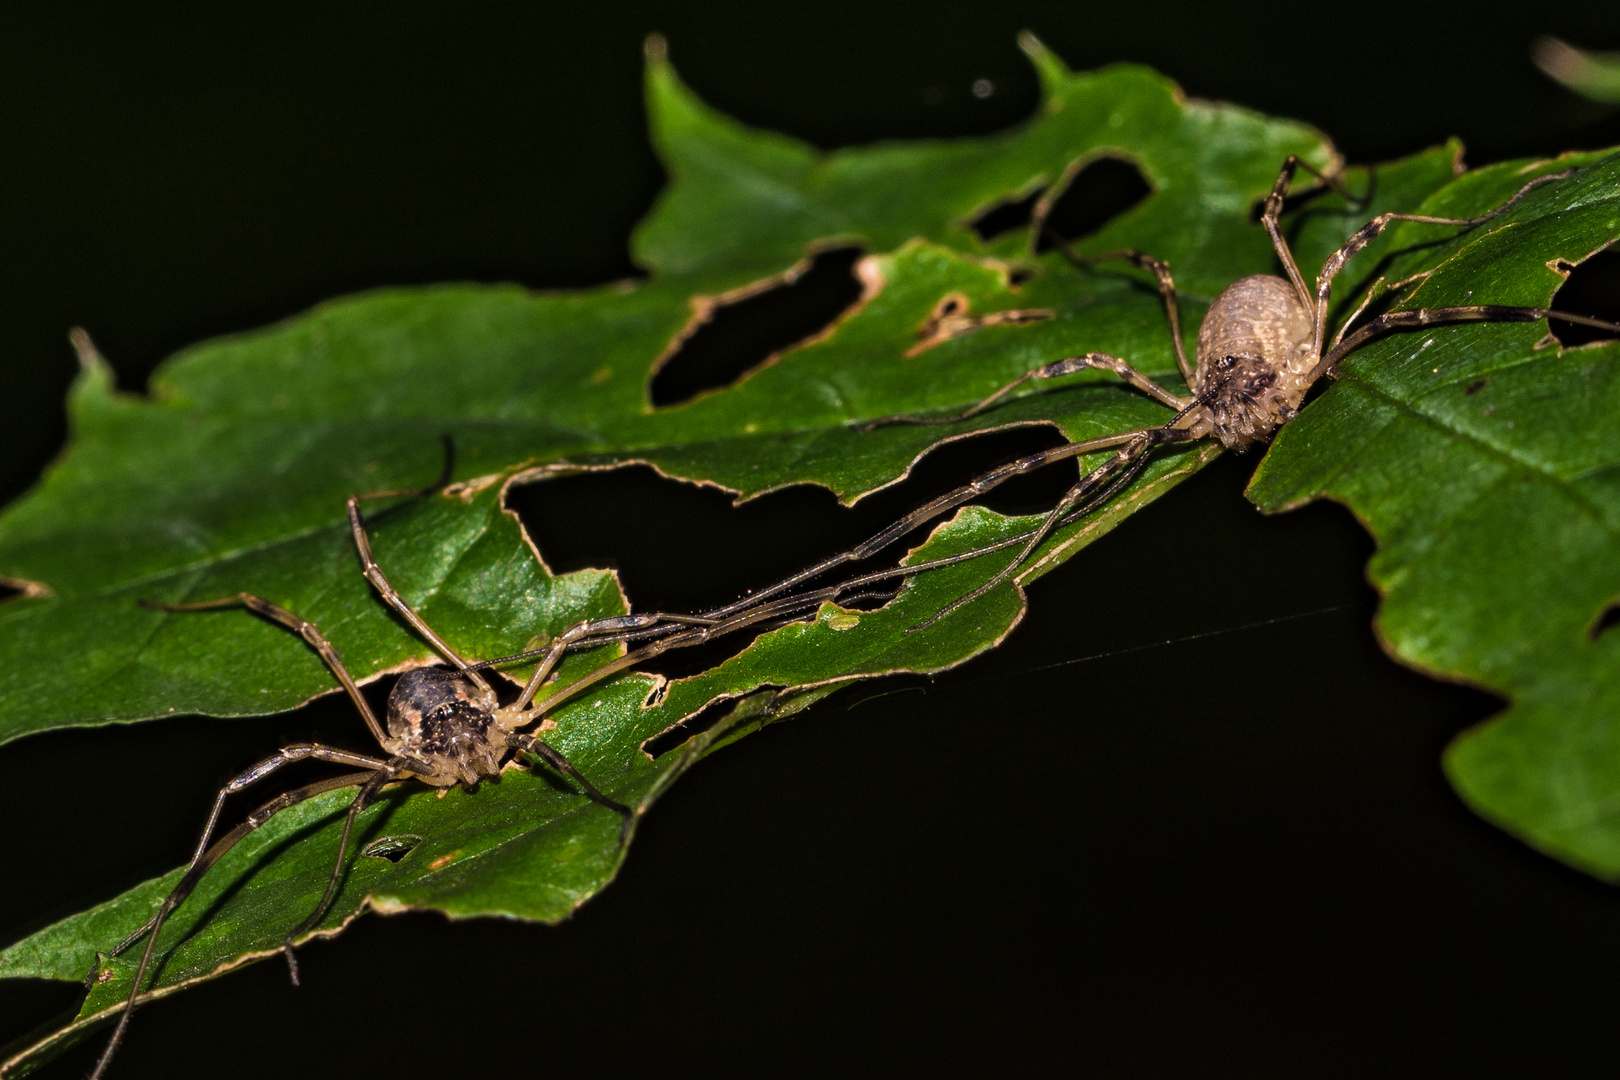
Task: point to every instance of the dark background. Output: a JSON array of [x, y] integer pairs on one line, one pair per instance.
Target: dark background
[[1224, 850]]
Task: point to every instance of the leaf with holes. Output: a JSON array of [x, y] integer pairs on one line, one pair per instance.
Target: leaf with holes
[[246, 447], [231, 475], [526, 846], [1485, 460]]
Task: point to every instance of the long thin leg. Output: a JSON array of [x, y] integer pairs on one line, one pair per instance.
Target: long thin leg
[[1366, 300], [1365, 235], [760, 605], [379, 580], [391, 597], [595, 632], [1093, 489], [782, 607], [799, 601], [286, 755], [1318, 304], [1057, 368], [557, 761], [303, 628], [1161, 273], [1273, 211], [392, 769], [593, 635], [925, 513], [752, 615], [200, 865], [1401, 320], [760, 612]]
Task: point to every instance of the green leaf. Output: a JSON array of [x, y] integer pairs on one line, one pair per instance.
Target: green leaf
[[526, 846], [1484, 459], [230, 476], [1207, 163]]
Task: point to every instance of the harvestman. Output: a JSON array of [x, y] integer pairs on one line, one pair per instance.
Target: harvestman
[[1259, 350], [444, 727]]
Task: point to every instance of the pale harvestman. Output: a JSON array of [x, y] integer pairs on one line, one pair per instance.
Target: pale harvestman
[[1259, 351]]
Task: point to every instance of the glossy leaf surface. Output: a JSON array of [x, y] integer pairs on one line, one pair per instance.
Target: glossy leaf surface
[[231, 475], [1485, 460]]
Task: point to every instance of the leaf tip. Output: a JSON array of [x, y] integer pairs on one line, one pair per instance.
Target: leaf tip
[[1595, 76], [95, 374], [85, 350], [1053, 72], [663, 87]]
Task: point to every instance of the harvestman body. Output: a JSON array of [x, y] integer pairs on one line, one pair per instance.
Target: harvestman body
[[1260, 349]]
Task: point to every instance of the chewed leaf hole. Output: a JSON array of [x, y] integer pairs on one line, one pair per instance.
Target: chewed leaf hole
[[742, 335], [696, 724], [1592, 288], [1004, 217], [392, 848], [1102, 191], [683, 548], [1606, 621]]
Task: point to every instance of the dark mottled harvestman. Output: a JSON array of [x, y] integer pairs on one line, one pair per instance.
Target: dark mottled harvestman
[[1259, 351], [444, 726]]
